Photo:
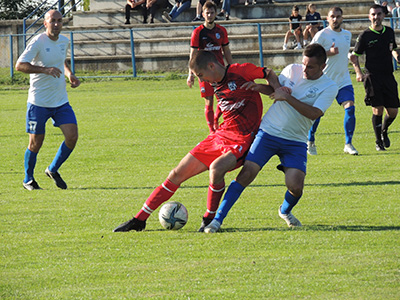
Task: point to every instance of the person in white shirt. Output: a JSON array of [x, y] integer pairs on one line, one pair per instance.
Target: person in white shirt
[[305, 94], [336, 42], [44, 59]]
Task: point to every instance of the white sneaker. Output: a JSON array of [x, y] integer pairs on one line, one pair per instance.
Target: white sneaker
[[284, 47], [298, 46], [311, 148], [349, 148], [290, 220], [213, 227]]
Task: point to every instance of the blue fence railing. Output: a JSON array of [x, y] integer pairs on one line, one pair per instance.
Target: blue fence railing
[[393, 22], [56, 5]]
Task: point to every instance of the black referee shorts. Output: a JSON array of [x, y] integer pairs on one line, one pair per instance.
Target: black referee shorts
[[381, 90]]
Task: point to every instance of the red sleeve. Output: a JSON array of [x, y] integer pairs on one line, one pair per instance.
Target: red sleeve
[[225, 41], [252, 72], [195, 40]]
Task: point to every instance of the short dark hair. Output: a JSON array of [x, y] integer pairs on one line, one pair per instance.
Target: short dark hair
[[295, 8], [210, 4], [317, 51], [200, 60], [383, 8], [336, 8]]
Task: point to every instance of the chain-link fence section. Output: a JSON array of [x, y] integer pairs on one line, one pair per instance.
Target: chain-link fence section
[[127, 52]]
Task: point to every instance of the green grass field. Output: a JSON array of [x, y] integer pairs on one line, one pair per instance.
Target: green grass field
[[59, 244]]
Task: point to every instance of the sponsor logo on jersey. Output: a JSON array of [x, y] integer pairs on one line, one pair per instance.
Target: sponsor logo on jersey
[[212, 47], [227, 107], [232, 85], [312, 92]]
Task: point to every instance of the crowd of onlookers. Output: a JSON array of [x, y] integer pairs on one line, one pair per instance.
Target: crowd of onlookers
[[303, 30], [170, 12]]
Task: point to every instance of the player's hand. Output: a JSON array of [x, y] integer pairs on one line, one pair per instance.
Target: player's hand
[[333, 50], [360, 77], [280, 94], [286, 89], [250, 85], [190, 80], [55, 72], [75, 82]]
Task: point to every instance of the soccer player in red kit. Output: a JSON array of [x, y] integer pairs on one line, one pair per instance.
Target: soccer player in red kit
[[211, 37], [223, 150]]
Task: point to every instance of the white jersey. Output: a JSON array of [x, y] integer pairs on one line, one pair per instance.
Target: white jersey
[[337, 66], [45, 90], [282, 120]]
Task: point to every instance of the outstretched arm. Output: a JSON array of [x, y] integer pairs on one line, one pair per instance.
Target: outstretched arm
[[306, 110]]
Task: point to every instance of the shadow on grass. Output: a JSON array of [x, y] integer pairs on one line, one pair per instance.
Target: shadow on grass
[[331, 184], [363, 228]]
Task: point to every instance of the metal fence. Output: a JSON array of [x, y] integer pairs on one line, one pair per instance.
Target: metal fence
[[125, 51]]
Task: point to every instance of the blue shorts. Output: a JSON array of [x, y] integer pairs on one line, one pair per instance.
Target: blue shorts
[[37, 116], [346, 93], [292, 154]]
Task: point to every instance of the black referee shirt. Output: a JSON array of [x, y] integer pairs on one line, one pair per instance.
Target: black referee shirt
[[378, 46]]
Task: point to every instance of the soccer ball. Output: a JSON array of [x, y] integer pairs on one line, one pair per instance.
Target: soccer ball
[[173, 215]]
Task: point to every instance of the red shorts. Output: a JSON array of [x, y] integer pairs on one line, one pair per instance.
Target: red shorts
[[206, 89], [216, 144]]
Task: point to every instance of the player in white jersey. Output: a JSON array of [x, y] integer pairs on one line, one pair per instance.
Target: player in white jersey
[[336, 42], [44, 59], [305, 94]]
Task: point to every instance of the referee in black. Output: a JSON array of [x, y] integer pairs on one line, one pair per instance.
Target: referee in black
[[379, 45]]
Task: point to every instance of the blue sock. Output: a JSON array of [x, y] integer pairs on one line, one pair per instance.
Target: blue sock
[[289, 202], [349, 123], [313, 130], [61, 156], [30, 163], [232, 194]]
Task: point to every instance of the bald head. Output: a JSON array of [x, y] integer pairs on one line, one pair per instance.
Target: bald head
[[53, 23]]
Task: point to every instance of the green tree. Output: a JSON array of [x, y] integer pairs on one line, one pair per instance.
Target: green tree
[[19, 9]]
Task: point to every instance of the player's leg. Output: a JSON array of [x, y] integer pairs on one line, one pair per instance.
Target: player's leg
[[345, 98], [377, 113], [216, 189], [262, 149], [311, 147], [188, 167], [391, 106], [294, 180], [293, 156], [390, 116], [64, 118], [36, 118]]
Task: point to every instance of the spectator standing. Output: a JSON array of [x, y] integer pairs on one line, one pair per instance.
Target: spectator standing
[[45, 60], [379, 45], [312, 28], [295, 28]]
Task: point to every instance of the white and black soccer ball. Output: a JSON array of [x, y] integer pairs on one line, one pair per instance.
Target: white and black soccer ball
[[173, 215]]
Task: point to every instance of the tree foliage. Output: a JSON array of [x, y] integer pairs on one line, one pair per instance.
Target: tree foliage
[[19, 9]]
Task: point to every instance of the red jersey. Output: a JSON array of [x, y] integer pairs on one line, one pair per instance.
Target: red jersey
[[210, 40], [241, 109]]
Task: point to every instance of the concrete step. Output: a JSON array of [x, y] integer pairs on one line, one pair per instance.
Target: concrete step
[[184, 30], [115, 16]]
